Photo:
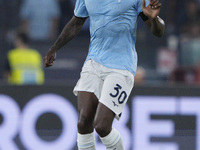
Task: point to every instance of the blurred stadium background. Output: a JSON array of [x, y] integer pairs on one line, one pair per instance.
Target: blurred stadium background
[[167, 81]]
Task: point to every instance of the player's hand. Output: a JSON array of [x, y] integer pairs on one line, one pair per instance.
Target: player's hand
[[152, 10], [49, 59]]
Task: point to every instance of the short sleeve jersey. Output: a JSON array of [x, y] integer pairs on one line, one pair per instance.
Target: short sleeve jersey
[[113, 25]]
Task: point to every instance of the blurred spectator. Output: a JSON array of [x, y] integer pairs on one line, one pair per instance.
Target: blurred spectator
[[190, 22], [189, 75], [40, 18], [140, 75], [190, 34], [175, 14], [23, 65], [189, 37]]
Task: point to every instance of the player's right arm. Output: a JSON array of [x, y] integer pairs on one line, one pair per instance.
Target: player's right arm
[[71, 29]]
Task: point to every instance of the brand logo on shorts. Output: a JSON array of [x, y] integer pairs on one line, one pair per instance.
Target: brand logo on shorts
[[115, 104]]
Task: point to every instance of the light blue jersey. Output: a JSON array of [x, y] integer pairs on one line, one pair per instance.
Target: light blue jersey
[[113, 25]]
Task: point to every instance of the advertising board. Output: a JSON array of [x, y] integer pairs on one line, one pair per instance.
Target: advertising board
[[45, 118]]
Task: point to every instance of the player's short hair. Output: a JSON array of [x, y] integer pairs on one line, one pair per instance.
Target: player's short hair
[[22, 36]]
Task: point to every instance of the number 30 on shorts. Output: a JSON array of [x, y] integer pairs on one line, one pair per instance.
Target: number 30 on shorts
[[121, 95]]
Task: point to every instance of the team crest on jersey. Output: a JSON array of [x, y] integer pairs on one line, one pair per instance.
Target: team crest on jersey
[[115, 104]]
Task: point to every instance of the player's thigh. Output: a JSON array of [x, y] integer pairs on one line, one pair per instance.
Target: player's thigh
[[87, 105]]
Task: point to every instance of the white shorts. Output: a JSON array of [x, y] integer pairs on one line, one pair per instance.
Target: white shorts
[[111, 86]]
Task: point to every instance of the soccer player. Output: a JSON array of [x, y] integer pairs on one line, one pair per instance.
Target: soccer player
[[107, 75]]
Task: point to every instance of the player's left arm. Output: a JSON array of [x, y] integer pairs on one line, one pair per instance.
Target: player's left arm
[[155, 23]]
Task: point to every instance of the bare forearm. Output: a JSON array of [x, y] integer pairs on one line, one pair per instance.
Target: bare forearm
[[157, 26], [71, 29]]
